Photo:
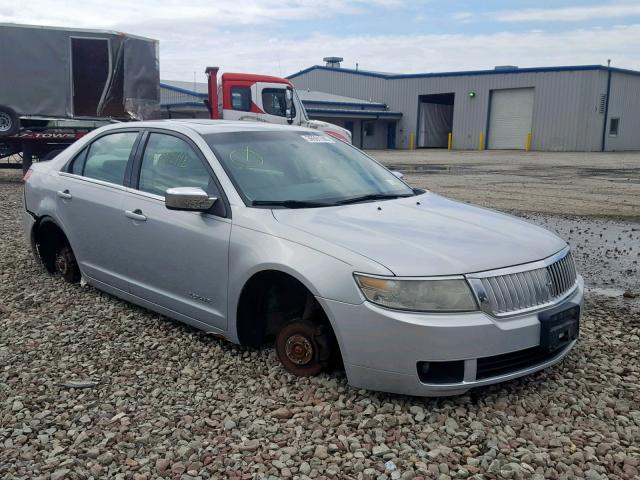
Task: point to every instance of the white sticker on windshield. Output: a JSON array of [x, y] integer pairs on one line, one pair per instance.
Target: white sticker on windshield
[[318, 139]]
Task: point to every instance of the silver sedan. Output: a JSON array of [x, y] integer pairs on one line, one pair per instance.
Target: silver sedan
[[283, 235]]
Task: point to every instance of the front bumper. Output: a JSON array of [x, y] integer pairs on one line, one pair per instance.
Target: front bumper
[[382, 348]]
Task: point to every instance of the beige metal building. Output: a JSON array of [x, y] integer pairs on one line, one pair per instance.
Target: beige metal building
[[572, 108]]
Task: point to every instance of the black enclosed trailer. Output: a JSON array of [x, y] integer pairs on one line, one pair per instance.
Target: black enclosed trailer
[[57, 84]]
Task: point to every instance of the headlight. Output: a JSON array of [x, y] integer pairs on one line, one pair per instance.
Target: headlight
[[433, 295]]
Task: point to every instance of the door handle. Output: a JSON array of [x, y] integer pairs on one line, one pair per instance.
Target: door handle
[[64, 194], [135, 215]]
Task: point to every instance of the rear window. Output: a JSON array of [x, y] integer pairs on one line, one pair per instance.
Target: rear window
[[107, 158], [78, 162], [241, 98]]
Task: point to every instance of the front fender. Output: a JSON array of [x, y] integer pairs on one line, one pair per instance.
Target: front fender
[[252, 252]]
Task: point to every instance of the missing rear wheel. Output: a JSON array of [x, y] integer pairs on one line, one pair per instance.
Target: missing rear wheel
[[66, 265]]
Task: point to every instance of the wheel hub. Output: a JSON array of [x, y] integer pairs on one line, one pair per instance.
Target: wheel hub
[[61, 264], [5, 122], [299, 349]]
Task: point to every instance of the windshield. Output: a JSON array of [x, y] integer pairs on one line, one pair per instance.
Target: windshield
[[301, 168]]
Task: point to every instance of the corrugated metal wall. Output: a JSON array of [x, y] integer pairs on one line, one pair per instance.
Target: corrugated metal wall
[[170, 96], [566, 115], [624, 103]]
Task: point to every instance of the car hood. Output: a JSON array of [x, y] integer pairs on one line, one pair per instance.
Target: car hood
[[426, 234]]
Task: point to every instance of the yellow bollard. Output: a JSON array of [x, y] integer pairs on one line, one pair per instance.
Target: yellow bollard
[[412, 141], [527, 145], [449, 141], [481, 142]]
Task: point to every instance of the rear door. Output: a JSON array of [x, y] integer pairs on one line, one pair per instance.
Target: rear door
[[179, 259], [89, 200]]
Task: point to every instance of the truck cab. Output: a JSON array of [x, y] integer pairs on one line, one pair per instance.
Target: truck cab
[[262, 98], [257, 97]]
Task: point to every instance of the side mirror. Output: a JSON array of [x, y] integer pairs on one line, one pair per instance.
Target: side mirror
[[289, 105], [398, 174], [188, 198]]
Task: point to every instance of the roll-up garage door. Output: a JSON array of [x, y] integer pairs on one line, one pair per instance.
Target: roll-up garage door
[[510, 118]]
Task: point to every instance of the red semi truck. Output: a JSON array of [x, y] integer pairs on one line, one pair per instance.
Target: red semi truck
[[261, 98]]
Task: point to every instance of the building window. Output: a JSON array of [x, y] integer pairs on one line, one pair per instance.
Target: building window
[[614, 125], [368, 129], [241, 98]]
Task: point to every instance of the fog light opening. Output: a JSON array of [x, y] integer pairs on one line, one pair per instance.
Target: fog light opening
[[441, 372]]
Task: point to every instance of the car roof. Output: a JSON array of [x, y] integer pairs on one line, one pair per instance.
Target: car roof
[[206, 126]]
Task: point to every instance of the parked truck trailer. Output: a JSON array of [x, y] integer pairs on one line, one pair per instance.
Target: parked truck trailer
[[57, 84]]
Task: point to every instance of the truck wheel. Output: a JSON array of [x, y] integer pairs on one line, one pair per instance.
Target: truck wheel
[[304, 348], [9, 121], [66, 264]]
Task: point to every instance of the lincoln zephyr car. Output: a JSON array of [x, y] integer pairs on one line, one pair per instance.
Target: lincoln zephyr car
[[278, 234]]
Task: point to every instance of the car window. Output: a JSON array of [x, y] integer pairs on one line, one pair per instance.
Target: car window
[[274, 102], [107, 157], [170, 162], [241, 98], [300, 165], [77, 163]]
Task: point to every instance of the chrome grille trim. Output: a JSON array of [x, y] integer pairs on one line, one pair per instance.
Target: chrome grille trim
[[520, 289]]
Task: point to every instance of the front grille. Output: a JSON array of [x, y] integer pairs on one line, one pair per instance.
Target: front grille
[[512, 362], [514, 292]]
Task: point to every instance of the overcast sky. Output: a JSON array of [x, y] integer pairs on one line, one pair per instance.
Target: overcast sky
[[281, 37]]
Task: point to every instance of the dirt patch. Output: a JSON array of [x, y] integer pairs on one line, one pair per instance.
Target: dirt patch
[[585, 184]]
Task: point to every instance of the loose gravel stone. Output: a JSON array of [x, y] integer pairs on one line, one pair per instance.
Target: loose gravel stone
[[321, 452], [282, 413], [167, 401]]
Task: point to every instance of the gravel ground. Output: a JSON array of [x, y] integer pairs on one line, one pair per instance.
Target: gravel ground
[[160, 399], [606, 251]]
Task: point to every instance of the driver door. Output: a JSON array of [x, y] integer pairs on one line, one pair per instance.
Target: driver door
[[179, 259]]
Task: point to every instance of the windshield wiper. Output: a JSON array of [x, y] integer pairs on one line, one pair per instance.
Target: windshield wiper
[[371, 196], [289, 203]]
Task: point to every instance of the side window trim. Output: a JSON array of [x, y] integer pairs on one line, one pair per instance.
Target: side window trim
[[137, 164], [132, 156]]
